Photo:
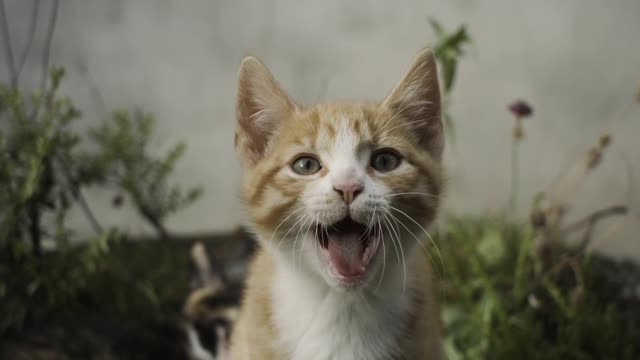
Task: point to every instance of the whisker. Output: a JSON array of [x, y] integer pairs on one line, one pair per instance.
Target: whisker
[[291, 228], [398, 113], [307, 217], [312, 220], [424, 121], [415, 237], [317, 240], [412, 193], [407, 124], [392, 239], [384, 251], [441, 274], [404, 264], [387, 138], [282, 222], [295, 211]]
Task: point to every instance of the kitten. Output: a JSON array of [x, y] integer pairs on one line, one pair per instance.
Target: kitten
[[338, 195]]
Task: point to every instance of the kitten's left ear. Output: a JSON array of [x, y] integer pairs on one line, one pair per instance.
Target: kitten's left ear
[[260, 106], [416, 99]]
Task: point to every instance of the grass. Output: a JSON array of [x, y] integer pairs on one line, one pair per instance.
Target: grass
[[503, 300], [134, 280], [500, 298]]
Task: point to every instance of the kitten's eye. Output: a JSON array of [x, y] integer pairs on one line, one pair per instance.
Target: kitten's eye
[[385, 160], [306, 165]]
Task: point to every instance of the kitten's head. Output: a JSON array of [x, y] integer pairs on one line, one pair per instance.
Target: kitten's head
[[341, 190]]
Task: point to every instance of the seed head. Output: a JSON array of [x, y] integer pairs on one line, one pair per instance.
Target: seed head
[[605, 140]]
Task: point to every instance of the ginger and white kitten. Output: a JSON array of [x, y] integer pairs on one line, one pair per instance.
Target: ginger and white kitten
[[339, 195]]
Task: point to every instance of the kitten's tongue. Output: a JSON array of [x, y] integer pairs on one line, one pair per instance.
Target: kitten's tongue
[[346, 253]]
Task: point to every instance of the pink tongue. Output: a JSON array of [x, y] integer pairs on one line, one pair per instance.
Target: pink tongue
[[346, 252]]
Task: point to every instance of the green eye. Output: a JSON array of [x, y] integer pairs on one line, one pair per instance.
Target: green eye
[[385, 160], [306, 165]]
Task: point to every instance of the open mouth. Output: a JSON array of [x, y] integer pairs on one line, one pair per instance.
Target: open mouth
[[349, 247]]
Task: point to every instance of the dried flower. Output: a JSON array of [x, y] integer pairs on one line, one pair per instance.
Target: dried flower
[[520, 109], [594, 156], [538, 218], [605, 140]]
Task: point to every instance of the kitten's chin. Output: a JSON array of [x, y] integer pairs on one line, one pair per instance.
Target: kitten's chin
[[347, 250]]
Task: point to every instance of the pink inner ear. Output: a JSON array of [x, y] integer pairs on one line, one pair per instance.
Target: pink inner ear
[[255, 135], [260, 105], [417, 99], [422, 118]]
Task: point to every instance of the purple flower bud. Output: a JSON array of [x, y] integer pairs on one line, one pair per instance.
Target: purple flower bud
[[520, 109]]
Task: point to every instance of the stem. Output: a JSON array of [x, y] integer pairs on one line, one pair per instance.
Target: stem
[[87, 211], [514, 174], [35, 10], [76, 192], [34, 229], [47, 44], [590, 222], [520, 278], [154, 220], [46, 54], [597, 216], [6, 39]]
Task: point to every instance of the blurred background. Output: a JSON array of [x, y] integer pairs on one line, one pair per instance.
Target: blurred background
[[542, 98], [574, 62]]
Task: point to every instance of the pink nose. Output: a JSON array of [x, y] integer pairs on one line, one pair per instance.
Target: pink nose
[[348, 191]]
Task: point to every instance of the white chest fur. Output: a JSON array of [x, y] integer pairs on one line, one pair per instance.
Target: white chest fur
[[316, 322]]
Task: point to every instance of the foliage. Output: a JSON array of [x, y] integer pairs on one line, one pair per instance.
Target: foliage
[[501, 302], [521, 291], [123, 153], [43, 172], [32, 150], [448, 50]]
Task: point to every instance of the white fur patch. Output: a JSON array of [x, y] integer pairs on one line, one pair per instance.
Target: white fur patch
[[318, 322]]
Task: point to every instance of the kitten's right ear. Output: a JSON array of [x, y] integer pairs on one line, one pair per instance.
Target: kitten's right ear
[[260, 105]]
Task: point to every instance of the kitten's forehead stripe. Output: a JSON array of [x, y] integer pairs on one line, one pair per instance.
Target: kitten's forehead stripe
[[329, 129]]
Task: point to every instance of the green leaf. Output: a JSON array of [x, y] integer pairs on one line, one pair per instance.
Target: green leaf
[[491, 246], [449, 47], [436, 26], [556, 295]]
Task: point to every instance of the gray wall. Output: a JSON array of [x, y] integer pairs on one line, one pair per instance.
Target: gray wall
[[577, 62]]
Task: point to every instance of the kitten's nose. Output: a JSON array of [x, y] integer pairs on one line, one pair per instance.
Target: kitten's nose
[[348, 191]]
